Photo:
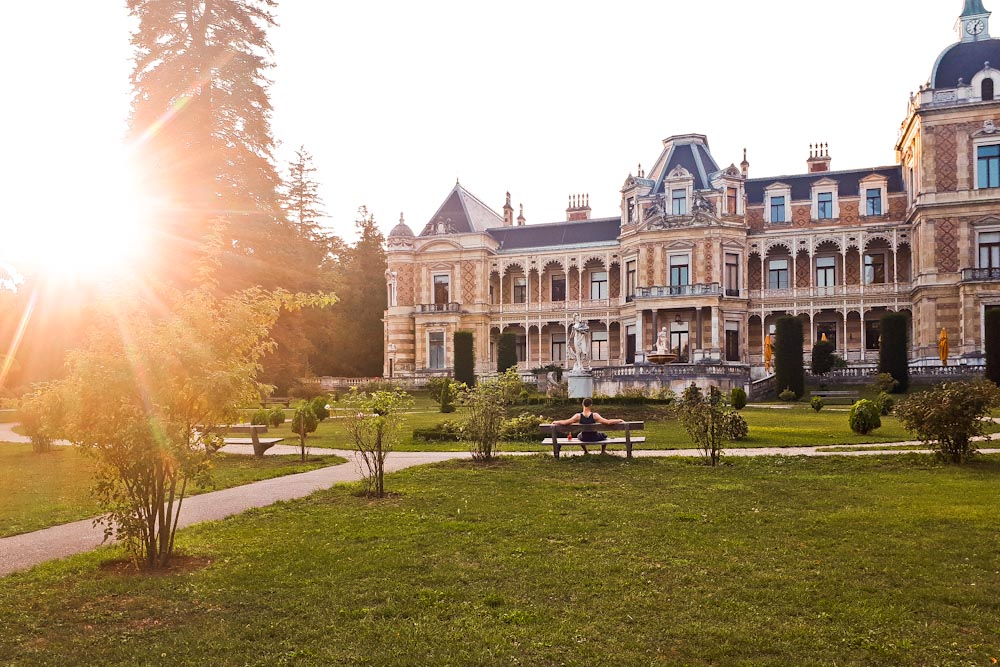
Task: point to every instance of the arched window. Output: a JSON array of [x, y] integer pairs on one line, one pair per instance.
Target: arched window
[[987, 89]]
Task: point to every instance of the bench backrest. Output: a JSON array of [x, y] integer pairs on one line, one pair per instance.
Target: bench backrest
[[578, 428]]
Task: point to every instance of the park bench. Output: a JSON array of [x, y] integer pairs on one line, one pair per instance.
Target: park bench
[[557, 442], [260, 445], [276, 400], [848, 396]]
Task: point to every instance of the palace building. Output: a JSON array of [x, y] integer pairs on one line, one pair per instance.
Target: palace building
[[716, 257]]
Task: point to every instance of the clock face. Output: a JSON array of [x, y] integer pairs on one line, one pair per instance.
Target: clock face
[[975, 27]]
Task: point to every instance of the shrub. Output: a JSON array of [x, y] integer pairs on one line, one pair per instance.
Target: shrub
[[705, 420], [885, 383], [374, 422], [446, 431], [892, 352], [787, 395], [276, 417], [377, 385], [691, 394], [666, 395], [816, 403], [948, 416], [734, 426], [523, 428], [487, 404], [304, 422], [506, 352], [864, 417], [991, 344], [319, 408], [260, 417], [822, 357], [788, 355], [465, 361], [885, 402], [738, 398], [307, 391], [40, 414]]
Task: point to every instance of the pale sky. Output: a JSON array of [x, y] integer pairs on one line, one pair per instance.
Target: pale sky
[[396, 99]]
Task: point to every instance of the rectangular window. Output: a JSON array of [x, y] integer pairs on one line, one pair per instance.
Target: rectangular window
[[599, 285], [630, 206], [442, 289], [824, 206], [777, 209], [630, 276], [777, 274], [989, 166], [826, 271], [732, 275], [679, 340], [873, 201], [520, 290], [558, 288], [678, 202], [679, 274], [599, 346], [872, 331], [521, 347], [630, 344], [731, 201], [874, 269], [435, 351], [989, 250], [559, 346], [732, 341]]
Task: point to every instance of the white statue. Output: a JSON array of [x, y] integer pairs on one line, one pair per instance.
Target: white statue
[[663, 342], [581, 345]]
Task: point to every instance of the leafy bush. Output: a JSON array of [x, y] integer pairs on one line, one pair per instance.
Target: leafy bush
[[705, 421], [788, 355], [319, 408], [885, 402], [307, 391], [446, 431], [666, 395], [487, 404], [276, 417], [523, 428], [738, 398], [822, 357], [444, 392], [948, 416], [885, 383], [734, 426], [892, 352], [864, 417], [374, 422], [788, 395], [376, 386], [304, 422], [816, 403], [260, 417], [691, 394], [40, 414]]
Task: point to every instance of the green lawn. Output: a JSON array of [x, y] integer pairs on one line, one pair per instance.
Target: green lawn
[[40, 490], [775, 561]]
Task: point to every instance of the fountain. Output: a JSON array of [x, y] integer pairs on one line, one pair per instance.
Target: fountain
[[661, 352]]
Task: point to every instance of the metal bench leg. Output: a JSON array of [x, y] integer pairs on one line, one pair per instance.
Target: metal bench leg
[[555, 443], [257, 450]]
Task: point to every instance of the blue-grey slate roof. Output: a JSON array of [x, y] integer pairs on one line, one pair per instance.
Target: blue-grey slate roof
[[848, 183], [693, 157], [600, 230], [974, 8], [963, 61]]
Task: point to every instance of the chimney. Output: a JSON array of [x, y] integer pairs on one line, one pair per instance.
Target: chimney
[[520, 217], [579, 207], [744, 166], [819, 158], [508, 213]]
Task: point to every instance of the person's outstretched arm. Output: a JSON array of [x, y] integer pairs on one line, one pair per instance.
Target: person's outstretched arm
[[566, 422], [602, 420]]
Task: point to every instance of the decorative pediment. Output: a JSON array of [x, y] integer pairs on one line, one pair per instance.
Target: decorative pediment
[[732, 172], [824, 182], [988, 129], [679, 172]]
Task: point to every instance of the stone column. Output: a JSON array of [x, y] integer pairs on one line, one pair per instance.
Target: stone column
[[698, 328], [715, 327]]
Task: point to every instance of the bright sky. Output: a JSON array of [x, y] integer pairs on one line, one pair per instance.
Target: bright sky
[[395, 99]]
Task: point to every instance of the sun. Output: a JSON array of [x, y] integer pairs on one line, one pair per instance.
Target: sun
[[93, 225]]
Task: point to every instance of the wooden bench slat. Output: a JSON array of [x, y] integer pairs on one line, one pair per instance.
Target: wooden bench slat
[[555, 429]]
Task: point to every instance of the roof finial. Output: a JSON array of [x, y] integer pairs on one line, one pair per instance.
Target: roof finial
[[401, 221]]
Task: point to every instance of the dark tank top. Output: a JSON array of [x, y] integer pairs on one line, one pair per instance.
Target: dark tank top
[[590, 436]]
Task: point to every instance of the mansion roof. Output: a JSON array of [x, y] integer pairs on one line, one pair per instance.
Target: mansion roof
[[848, 183], [600, 230], [963, 61], [462, 213]]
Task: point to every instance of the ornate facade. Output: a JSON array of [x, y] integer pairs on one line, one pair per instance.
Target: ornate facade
[[715, 256]]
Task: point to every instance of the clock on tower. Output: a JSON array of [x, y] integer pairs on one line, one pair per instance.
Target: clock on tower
[[973, 24]]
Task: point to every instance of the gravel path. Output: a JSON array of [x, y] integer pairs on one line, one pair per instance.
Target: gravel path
[[21, 552]]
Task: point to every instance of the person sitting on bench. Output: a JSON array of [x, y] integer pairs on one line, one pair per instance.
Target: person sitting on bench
[[587, 416]]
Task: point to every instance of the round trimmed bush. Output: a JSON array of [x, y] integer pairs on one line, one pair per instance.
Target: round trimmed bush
[[276, 417], [788, 395], [304, 420], [738, 398], [260, 417], [734, 426], [816, 403], [319, 408], [864, 417], [885, 403]]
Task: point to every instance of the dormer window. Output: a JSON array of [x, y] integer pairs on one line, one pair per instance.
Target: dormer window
[[678, 202], [873, 201], [824, 206], [777, 203], [987, 90], [778, 209], [824, 200]]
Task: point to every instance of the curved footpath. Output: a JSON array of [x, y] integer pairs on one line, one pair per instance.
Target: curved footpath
[[21, 552]]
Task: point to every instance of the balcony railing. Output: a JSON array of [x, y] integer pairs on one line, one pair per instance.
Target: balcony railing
[[877, 289], [980, 275], [708, 289], [440, 308]]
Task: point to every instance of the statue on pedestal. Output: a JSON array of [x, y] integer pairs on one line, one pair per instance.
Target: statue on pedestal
[[663, 342], [581, 344]]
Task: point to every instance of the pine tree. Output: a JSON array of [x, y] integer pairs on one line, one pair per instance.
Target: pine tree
[[788, 369], [200, 127], [300, 195], [465, 362], [892, 350]]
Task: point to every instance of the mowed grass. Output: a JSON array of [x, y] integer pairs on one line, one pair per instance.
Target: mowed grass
[[891, 560], [41, 490], [793, 426]]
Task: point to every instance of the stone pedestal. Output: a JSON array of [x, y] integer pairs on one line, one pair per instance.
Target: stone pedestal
[[581, 385]]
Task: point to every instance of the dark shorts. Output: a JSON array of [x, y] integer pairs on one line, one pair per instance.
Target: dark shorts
[[593, 436]]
